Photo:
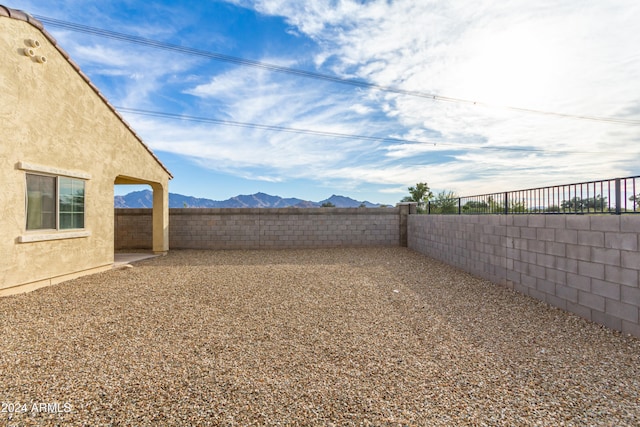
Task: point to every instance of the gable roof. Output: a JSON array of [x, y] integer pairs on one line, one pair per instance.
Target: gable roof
[[23, 16]]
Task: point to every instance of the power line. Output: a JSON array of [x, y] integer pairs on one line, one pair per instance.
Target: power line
[[308, 74], [258, 126], [274, 128]]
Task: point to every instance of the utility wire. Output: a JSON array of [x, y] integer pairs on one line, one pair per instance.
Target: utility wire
[[453, 146], [308, 74]]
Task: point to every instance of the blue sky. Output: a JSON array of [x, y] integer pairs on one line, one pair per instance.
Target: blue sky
[[574, 57]]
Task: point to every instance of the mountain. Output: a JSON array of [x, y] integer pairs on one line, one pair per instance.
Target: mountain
[[144, 199], [347, 202], [137, 199], [260, 200]]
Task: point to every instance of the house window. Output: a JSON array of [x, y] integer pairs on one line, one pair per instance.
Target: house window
[[41, 202], [54, 202], [71, 203]]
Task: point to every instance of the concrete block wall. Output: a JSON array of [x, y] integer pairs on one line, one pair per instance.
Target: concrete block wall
[[474, 243], [262, 228], [213, 229], [585, 264], [133, 230]]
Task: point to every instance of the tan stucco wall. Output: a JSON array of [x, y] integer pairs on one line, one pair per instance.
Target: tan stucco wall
[[51, 117]]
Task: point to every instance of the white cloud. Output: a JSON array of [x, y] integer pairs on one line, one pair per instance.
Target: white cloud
[[135, 73], [253, 96], [566, 56], [559, 56]]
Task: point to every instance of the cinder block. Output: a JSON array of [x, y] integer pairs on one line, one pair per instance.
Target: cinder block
[[591, 238], [513, 231], [623, 276], [567, 236], [630, 260], [548, 261], [630, 295], [591, 269], [518, 287], [605, 222], [566, 264], [605, 256], [590, 300], [520, 243], [631, 328], [556, 249], [578, 252], [513, 254], [605, 289], [555, 221], [519, 220], [545, 234], [556, 276], [567, 293], [556, 301], [513, 276], [607, 320], [621, 310], [521, 267], [580, 310], [535, 221], [578, 222], [537, 271], [528, 233], [536, 246], [624, 241], [534, 293], [546, 286], [488, 229], [500, 230], [630, 223]]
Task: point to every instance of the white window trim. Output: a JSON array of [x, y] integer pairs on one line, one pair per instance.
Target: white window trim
[[31, 167], [38, 235], [41, 237]]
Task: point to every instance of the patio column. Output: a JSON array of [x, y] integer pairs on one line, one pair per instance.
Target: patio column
[[160, 215]]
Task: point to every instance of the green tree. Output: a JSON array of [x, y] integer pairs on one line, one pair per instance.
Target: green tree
[[578, 204], [419, 194], [574, 204], [327, 205], [517, 206], [475, 206], [445, 202], [494, 206]]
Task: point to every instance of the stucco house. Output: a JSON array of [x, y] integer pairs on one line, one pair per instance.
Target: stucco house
[[63, 147]]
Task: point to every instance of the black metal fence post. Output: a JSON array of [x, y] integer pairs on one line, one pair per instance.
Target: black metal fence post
[[459, 205], [618, 201], [506, 203]]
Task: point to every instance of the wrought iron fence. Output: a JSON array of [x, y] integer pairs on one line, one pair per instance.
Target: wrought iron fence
[[610, 196]]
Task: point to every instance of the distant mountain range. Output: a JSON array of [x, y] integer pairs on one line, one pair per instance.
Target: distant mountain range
[[144, 199]]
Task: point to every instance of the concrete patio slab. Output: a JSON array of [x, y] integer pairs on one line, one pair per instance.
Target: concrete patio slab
[[122, 259]]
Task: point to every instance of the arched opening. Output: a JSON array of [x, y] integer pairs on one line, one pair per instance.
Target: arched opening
[[141, 220]]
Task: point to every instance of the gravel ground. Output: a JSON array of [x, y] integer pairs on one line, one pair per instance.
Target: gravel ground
[[381, 336]]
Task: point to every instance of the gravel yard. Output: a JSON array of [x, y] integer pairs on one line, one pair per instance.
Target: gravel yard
[[379, 336]]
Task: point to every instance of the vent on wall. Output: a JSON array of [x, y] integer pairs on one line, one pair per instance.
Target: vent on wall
[[30, 51]]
